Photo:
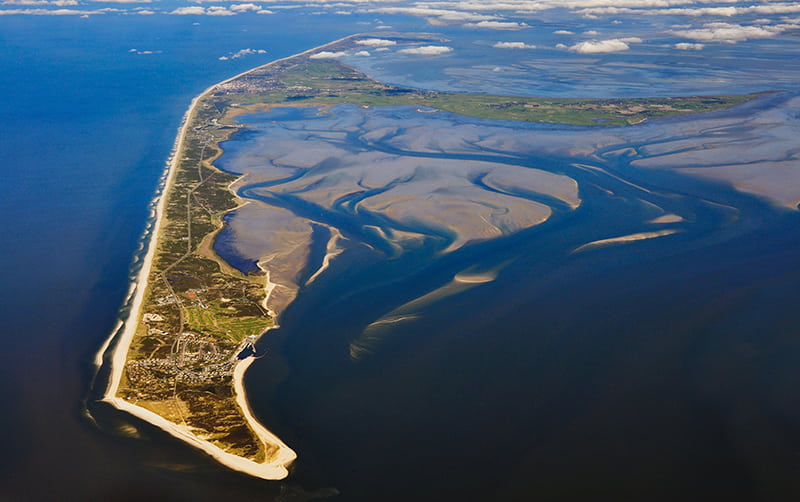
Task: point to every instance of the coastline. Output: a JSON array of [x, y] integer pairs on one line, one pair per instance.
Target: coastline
[[120, 340], [275, 469]]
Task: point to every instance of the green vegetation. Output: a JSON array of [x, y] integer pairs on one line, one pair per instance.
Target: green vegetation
[[608, 112], [231, 320], [199, 313], [326, 82]]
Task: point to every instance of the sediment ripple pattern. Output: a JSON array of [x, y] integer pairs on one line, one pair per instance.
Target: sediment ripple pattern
[[399, 180], [337, 172]]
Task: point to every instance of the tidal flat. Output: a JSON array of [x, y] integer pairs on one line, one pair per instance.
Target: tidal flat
[[661, 370], [414, 198], [290, 190], [393, 177], [409, 181], [600, 323]]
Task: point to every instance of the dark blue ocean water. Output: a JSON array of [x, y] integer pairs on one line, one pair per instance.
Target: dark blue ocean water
[[656, 371], [86, 127], [648, 377]]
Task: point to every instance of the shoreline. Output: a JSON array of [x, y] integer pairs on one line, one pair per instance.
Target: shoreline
[[275, 469], [115, 349]]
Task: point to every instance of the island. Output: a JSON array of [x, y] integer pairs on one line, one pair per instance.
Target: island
[[191, 332]]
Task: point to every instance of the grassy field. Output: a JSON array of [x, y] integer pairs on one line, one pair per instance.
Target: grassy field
[[329, 82], [219, 319]]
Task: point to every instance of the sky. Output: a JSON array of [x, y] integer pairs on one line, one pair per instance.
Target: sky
[[691, 25]]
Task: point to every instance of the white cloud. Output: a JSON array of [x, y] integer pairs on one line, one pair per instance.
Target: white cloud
[[591, 33], [686, 46], [216, 10], [122, 1], [376, 42], [427, 50], [457, 16], [730, 33], [54, 12], [55, 3], [601, 46], [327, 55], [241, 53], [656, 8], [563, 32], [438, 11], [513, 45], [245, 7], [498, 25], [438, 15], [196, 10], [362, 53], [187, 11], [636, 4], [485, 14], [145, 53]]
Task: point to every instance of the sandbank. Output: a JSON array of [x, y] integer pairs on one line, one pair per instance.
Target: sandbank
[[277, 466], [625, 239], [667, 218]]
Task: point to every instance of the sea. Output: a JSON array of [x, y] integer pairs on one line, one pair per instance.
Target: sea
[[660, 372]]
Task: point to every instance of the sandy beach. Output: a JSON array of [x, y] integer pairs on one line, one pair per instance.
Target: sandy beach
[[275, 468]]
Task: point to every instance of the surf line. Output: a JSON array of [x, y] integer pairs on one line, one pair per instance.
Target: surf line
[[119, 341]]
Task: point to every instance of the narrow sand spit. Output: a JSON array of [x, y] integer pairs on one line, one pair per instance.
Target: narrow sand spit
[[624, 239], [277, 466]]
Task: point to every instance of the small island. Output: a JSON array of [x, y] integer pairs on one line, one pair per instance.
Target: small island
[[195, 319]]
